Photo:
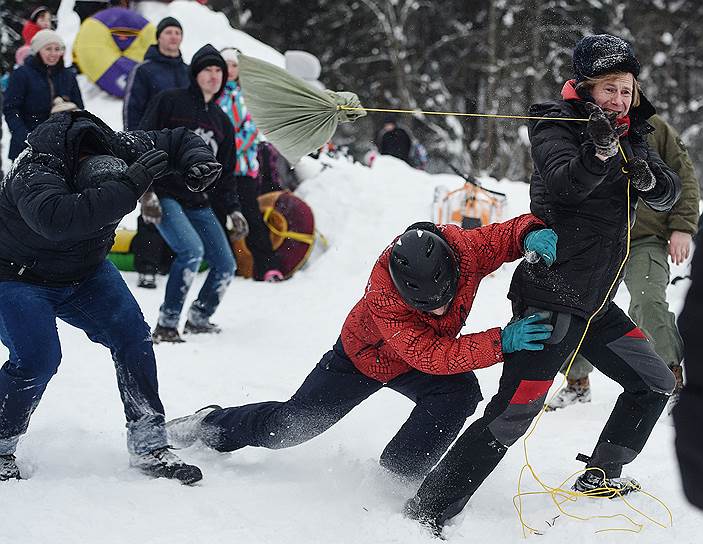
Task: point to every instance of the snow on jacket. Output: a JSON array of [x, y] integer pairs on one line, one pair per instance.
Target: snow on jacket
[[157, 73], [187, 108], [384, 337], [584, 200], [245, 132], [30, 94], [53, 232]]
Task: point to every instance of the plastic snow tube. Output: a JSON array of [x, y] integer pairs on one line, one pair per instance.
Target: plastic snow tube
[[110, 44], [120, 254], [292, 228]]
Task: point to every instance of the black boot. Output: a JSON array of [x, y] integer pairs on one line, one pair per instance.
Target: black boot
[[163, 463], [204, 327], [166, 334], [8, 468], [595, 484], [147, 281]]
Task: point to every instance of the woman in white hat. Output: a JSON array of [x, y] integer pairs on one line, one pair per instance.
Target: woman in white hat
[[34, 86]]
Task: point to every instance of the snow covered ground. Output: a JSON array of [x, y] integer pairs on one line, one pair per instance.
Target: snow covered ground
[[330, 490]]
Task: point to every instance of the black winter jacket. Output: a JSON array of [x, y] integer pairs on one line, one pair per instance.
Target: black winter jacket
[[30, 94], [585, 201], [157, 73], [55, 233], [187, 108]]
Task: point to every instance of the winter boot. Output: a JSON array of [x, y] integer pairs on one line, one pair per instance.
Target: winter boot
[[163, 463], [594, 484], [412, 511], [273, 276], [576, 391], [147, 281], [8, 468], [184, 431], [204, 327], [674, 399], [166, 334]]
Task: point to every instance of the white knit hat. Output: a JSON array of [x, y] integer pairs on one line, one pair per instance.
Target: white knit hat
[[45, 37], [230, 54]]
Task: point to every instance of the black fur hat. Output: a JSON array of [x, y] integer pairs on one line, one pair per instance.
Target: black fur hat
[[603, 54]]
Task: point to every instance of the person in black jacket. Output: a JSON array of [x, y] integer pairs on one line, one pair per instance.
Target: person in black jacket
[[163, 68], [185, 219], [393, 140], [586, 191], [59, 207], [687, 413], [33, 87]]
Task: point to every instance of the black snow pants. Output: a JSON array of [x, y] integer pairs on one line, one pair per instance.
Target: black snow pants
[[332, 390], [151, 252], [615, 346]]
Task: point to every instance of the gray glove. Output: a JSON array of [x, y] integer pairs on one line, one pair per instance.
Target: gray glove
[[240, 227], [151, 208]]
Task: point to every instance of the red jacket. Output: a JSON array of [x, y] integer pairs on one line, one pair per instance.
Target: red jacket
[[29, 29], [384, 337]]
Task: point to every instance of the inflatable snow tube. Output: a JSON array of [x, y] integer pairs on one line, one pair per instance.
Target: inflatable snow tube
[[292, 227], [109, 44], [120, 254]]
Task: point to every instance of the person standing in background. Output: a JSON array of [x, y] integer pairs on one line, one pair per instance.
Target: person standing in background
[[163, 68]]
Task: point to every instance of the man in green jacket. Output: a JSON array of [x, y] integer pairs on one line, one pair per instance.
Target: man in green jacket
[[655, 236]]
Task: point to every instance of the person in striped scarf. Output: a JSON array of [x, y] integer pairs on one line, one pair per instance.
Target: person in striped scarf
[[266, 265]]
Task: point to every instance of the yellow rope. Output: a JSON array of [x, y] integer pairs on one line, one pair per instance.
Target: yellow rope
[[567, 494], [462, 114]]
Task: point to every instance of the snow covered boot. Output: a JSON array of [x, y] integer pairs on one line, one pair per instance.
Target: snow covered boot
[[147, 281], [184, 431], [8, 468], [594, 484], [204, 327], [166, 334], [412, 511], [576, 391], [163, 463]]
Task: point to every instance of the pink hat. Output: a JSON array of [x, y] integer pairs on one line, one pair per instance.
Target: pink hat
[[21, 54]]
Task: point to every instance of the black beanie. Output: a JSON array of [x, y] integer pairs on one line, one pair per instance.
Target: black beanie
[[165, 23], [206, 56], [603, 54]]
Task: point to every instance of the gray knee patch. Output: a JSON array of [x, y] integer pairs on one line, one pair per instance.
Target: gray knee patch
[[639, 354]]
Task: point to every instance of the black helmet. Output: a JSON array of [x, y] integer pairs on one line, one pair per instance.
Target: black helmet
[[95, 170], [423, 268]]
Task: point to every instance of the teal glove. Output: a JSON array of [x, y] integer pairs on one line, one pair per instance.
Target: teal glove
[[543, 243], [526, 333]]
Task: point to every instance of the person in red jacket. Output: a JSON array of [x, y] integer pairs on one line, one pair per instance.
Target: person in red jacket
[[402, 334], [40, 19]]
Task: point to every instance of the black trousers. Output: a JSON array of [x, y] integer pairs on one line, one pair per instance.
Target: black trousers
[[258, 239], [151, 252], [331, 391], [615, 346]]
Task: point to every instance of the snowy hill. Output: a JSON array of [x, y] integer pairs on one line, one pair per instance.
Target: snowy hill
[[329, 490]]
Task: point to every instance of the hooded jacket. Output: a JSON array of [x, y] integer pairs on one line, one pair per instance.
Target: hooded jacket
[[384, 337], [585, 201], [157, 73], [52, 231], [187, 108], [30, 94]]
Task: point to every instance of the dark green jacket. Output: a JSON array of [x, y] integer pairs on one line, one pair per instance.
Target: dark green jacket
[[684, 215]]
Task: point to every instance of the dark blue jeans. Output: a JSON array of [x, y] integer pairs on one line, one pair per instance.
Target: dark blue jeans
[[105, 309], [194, 233], [332, 390]]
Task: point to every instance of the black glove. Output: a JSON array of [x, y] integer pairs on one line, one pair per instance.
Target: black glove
[[147, 167], [603, 130], [151, 208], [640, 175], [201, 175]]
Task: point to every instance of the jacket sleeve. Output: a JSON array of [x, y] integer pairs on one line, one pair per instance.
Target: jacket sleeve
[[683, 216], [571, 171], [15, 95], [156, 113], [184, 147], [52, 210], [420, 347], [135, 100], [485, 249], [667, 189]]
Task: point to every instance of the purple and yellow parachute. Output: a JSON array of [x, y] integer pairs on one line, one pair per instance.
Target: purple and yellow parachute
[[109, 44]]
